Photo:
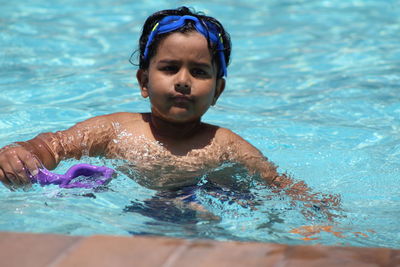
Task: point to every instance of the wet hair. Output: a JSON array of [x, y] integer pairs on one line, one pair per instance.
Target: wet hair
[[152, 20]]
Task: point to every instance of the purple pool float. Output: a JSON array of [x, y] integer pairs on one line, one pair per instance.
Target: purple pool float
[[98, 175]]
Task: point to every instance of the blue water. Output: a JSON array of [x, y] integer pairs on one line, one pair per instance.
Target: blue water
[[313, 84]]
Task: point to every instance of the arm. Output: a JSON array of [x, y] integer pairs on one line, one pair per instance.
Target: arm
[[249, 156], [89, 137]]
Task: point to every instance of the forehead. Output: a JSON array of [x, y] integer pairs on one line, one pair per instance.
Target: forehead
[[184, 46]]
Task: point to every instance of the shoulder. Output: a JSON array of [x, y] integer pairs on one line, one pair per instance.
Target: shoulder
[[119, 117], [225, 135], [235, 143], [122, 116], [109, 122]]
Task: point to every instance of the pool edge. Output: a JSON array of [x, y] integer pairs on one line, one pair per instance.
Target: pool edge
[[28, 249]]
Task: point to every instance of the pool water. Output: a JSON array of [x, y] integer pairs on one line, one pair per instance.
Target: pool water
[[313, 84]]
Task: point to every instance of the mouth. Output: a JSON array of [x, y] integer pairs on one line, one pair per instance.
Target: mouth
[[181, 99]]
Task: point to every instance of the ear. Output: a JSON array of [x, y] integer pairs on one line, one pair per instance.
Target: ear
[[219, 88], [142, 77]]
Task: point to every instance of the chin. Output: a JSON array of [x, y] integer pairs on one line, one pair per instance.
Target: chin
[[178, 116], [181, 118]]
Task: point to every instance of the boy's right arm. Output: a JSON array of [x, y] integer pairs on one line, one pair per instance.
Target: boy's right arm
[[89, 137]]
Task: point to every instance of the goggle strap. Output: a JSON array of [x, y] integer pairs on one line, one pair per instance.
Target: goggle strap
[[171, 26]]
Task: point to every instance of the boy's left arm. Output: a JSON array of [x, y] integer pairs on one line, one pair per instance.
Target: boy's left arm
[[256, 163]]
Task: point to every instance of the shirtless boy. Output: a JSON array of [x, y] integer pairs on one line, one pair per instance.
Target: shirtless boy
[[182, 65]]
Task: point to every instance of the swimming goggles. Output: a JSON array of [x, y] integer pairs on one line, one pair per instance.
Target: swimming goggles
[[208, 30]]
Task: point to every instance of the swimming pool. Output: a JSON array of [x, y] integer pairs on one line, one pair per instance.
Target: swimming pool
[[313, 84]]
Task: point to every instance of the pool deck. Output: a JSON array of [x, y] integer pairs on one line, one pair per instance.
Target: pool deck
[[25, 249]]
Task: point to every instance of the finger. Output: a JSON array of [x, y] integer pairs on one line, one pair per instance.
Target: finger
[[20, 171], [10, 164], [12, 167], [8, 174], [14, 181], [29, 172], [4, 179], [31, 165]]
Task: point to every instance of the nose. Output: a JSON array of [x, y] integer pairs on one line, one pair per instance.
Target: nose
[[183, 82]]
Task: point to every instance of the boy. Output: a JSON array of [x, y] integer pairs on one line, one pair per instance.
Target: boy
[[183, 59]]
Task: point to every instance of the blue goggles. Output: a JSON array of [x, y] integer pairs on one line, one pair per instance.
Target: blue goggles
[[171, 23]]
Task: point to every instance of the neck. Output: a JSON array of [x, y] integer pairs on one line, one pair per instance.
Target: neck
[[165, 129]]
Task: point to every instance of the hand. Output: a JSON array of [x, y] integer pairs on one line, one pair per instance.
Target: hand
[[329, 205], [17, 164], [314, 203]]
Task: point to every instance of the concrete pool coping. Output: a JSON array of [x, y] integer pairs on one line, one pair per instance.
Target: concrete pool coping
[[27, 249]]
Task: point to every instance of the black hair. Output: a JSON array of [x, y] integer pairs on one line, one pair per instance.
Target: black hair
[[152, 20]]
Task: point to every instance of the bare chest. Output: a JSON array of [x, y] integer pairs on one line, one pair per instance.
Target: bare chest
[[156, 166]]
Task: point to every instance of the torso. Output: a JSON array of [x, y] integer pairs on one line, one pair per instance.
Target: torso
[[163, 164]]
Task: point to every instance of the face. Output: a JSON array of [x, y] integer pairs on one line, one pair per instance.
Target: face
[[181, 80]]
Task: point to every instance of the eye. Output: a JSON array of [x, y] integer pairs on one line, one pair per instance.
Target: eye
[[199, 72], [169, 68]]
